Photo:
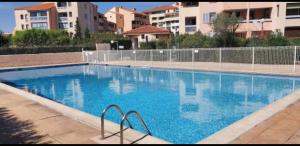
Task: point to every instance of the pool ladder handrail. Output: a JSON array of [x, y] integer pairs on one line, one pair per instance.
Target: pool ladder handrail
[[125, 118], [103, 115]]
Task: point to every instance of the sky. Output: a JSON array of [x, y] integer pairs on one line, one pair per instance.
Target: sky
[[7, 16]]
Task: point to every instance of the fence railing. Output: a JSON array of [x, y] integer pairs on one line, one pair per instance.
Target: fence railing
[[279, 55]]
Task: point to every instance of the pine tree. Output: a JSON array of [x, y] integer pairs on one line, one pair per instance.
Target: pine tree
[[77, 30]]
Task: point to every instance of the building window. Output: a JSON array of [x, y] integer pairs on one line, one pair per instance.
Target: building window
[[27, 26], [69, 4], [22, 17], [85, 16], [61, 4], [70, 14], [71, 24], [190, 4], [190, 20], [64, 14], [63, 25], [156, 36], [190, 24], [143, 36], [39, 25], [252, 14], [208, 17], [293, 10], [85, 7], [22, 26], [25, 16], [71, 34], [38, 13]]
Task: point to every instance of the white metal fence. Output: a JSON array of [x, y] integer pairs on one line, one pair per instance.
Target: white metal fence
[[279, 56]]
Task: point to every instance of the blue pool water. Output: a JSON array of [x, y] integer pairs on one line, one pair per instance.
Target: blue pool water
[[178, 106]]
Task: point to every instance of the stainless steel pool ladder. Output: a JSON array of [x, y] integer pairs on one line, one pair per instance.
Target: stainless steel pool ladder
[[140, 119], [124, 118], [103, 115]]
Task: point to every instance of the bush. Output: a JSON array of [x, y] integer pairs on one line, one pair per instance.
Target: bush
[[276, 39], [39, 37], [254, 42], [149, 45], [36, 50], [294, 41]]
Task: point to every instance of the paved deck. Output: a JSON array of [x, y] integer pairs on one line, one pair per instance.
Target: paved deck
[[282, 128], [26, 122], [213, 66]]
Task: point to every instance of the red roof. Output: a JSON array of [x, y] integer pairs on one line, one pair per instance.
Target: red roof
[[43, 6], [160, 8], [147, 29]]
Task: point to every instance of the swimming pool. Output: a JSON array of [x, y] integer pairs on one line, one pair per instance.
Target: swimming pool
[[178, 106]]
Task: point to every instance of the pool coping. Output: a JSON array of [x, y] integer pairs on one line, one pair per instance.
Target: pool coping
[[223, 136]]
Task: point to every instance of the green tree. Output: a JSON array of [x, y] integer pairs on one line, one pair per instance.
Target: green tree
[[1, 39], [87, 33], [77, 30], [224, 27]]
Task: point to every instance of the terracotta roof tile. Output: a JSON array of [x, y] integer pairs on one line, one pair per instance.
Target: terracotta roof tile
[[147, 29], [43, 6], [160, 8]]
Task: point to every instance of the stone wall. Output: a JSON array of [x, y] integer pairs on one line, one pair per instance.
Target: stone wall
[[39, 59]]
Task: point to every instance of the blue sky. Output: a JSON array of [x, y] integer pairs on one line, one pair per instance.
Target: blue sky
[[7, 18]]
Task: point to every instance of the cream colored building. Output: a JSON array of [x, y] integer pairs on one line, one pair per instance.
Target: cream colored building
[[166, 16], [256, 17], [126, 19], [60, 15], [146, 34]]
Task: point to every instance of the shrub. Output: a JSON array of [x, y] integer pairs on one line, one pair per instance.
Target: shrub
[[36, 50], [149, 45], [276, 39], [254, 42], [294, 41]]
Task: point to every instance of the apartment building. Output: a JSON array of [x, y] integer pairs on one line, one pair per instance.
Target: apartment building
[[257, 18], [126, 19], [60, 15], [166, 16], [105, 25]]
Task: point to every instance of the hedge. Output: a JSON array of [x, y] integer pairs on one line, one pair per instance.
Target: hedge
[[37, 50]]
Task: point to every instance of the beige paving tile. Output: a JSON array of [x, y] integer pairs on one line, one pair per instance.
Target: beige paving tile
[[294, 140], [74, 138]]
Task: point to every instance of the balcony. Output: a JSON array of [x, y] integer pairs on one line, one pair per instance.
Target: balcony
[[62, 19], [40, 18], [190, 28]]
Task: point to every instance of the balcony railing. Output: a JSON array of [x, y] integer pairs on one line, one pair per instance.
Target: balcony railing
[[40, 18], [62, 18], [190, 28], [62, 8], [292, 16]]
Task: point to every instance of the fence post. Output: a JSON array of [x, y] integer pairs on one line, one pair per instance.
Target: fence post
[[82, 55], [220, 56], [170, 55], [253, 57], [295, 58], [193, 56], [97, 56], [151, 55], [134, 57], [121, 55]]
